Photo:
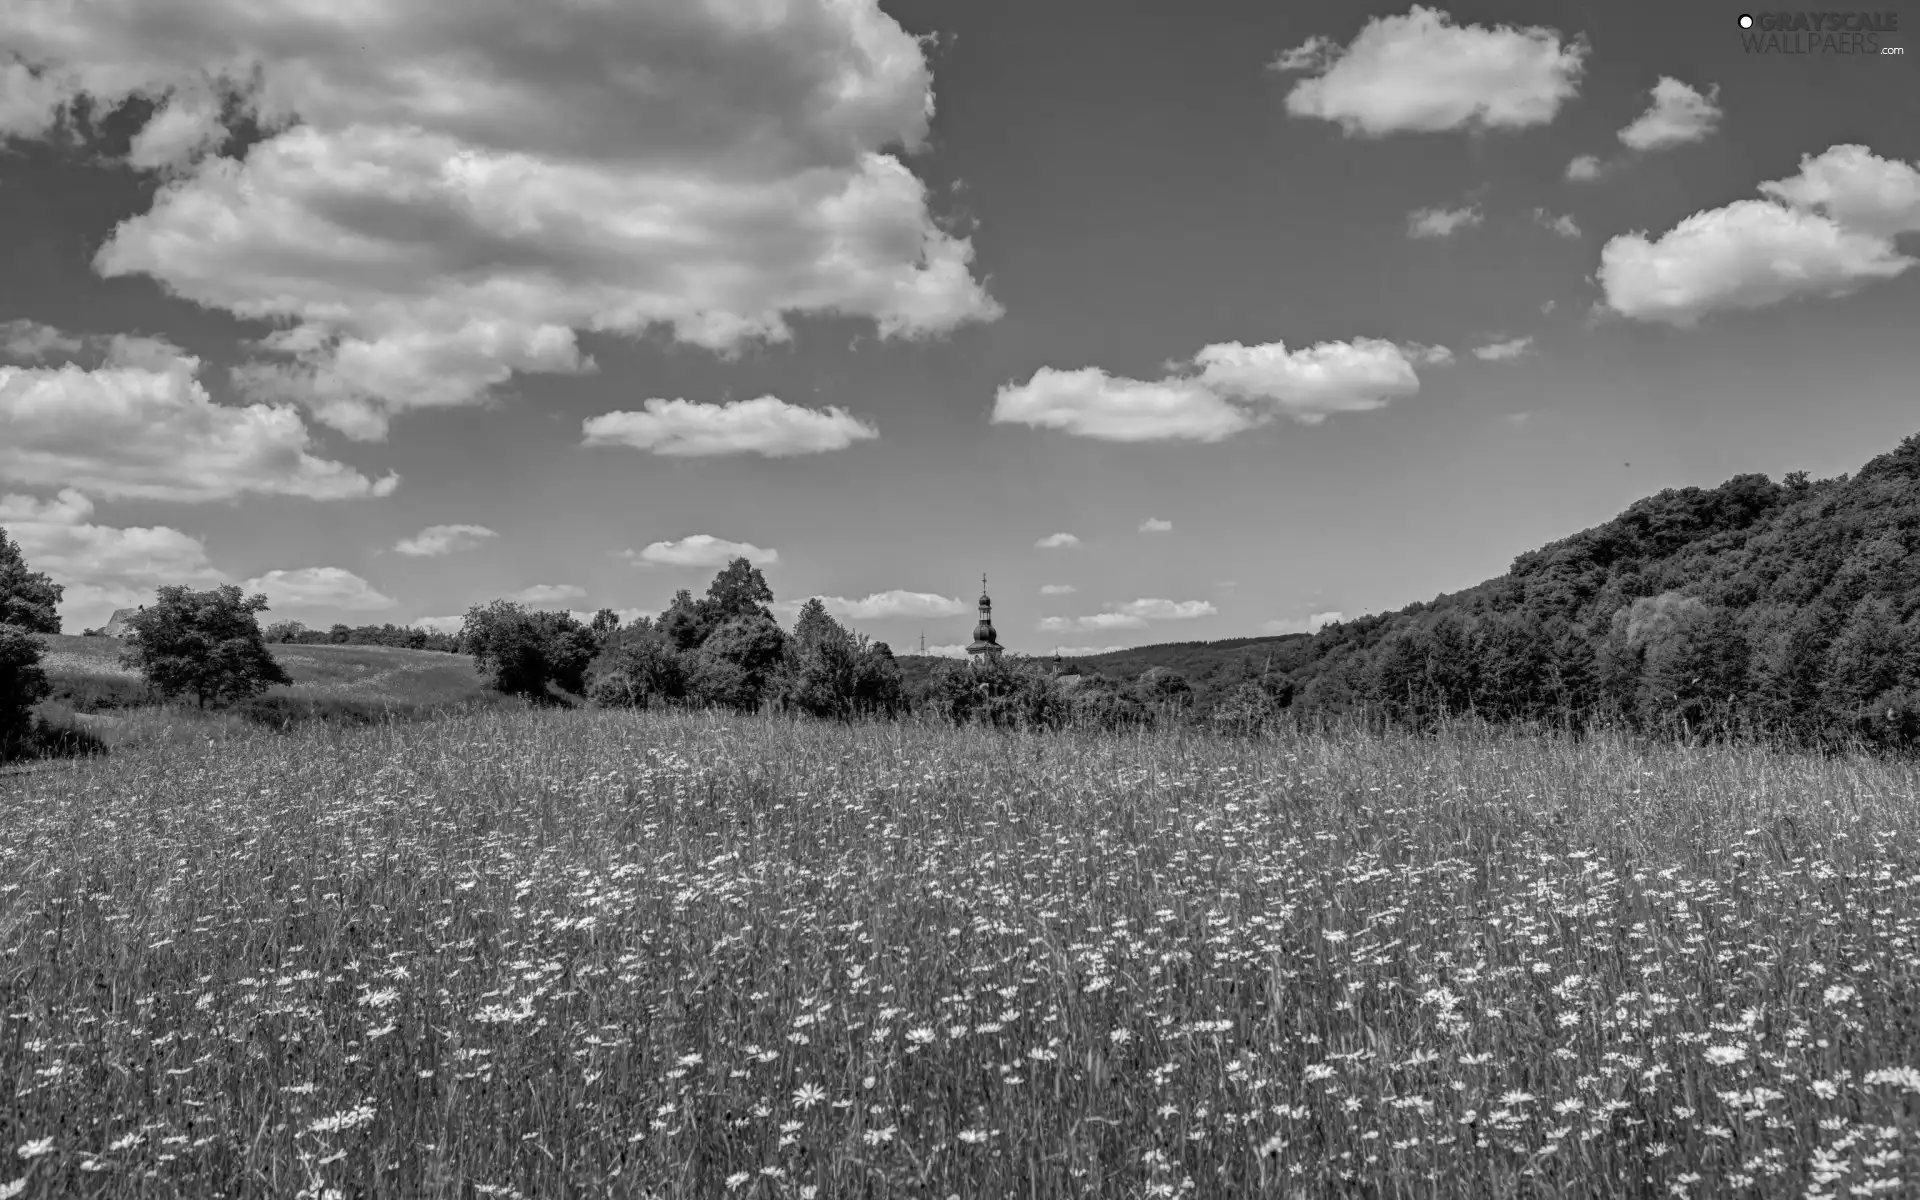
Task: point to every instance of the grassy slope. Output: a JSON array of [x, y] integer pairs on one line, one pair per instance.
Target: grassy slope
[[545, 951], [84, 666]]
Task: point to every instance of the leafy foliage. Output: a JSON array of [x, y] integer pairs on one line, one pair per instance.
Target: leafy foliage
[[207, 643], [522, 651], [27, 598], [22, 685]]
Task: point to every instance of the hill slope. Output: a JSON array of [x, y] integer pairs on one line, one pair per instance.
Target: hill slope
[[1789, 607], [87, 676]]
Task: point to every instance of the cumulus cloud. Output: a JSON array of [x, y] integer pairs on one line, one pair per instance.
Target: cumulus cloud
[[318, 587], [30, 341], [1235, 388], [955, 650], [102, 567], [546, 593], [1421, 73], [1132, 614], [1312, 624], [1678, 115], [1584, 168], [1155, 525], [1562, 224], [447, 196], [700, 550], [1057, 541], [1057, 589], [882, 605], [141, 426], [1441, 222], [1503, 351], [436, 540], [1826, 232], [768, 426]]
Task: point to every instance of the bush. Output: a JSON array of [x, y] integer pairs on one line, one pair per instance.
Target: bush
[[22, 685], [207, 643]]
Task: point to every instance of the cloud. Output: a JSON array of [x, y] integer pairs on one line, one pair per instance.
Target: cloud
[[1166, 610], [956, 650], [767, 426], [1057, 589], [141, 426], [546, 593], [31, 341], [1562, 224], [1516, 418], [1826, 232], [446, 625], [1677, 116], [1133, 614], [1236, 388], [446, 197], [1057, 541], [436, 540], [1091, 403], [1421, 73], [1155, 525], [102, 567], [1312, 624], [701, 550], [1441, 222], [1503, 351], [1584, 168], [1082, 651], [883, 605], [318, 587]]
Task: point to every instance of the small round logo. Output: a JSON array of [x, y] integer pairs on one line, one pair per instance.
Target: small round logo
[[1746, 21]]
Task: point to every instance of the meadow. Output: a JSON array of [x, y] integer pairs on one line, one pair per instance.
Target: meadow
[[536, 953]]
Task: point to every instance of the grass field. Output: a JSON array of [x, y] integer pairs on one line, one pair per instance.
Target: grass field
[[615, 954]]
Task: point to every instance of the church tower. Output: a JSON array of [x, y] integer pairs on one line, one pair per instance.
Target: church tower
[[986, 643]]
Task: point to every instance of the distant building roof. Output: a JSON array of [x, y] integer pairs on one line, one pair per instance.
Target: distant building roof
[[117, 624]]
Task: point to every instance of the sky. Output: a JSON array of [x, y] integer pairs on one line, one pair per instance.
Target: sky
[[1177, 322]]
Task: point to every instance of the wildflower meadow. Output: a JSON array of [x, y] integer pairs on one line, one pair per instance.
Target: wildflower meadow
[[521, 954]]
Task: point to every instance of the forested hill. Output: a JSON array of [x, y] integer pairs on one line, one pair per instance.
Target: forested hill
[[1791, 607]]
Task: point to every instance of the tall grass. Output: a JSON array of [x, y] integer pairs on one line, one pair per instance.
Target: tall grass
[[536, 953]]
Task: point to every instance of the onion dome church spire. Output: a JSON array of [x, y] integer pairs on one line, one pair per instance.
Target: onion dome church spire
[[986, 643]]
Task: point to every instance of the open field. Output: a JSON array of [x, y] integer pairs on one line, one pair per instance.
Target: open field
[[603, 953]]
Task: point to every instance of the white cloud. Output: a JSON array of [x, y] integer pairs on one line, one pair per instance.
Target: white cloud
[[546, 593], [1583, 169], [701, 550], [1057, 541], [318, 587], [1441, 222], [1082, 651], [768, 426], [447, 196], [1678, 115], [141, 426], [1310, 624], [894, 603], [447, 625], [1155, 525], [1057, 589], [436, 540], [1562, 224], [1091, 403], [1516, 418], [1426, 356], [1166, 610], [1512, 348], [1105, 620], [1421, 73], [31, 341], [102, 567], [1826, 232], [1235, 389], [1133, 614], [956, 650]]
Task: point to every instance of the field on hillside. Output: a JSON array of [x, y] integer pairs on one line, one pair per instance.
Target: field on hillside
[[605, 953], [88, 677]]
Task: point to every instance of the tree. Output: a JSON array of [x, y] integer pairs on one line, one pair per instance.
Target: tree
[[207, 643], [570, 647], [605, 624], [340, 634], [685, 623], [739, 590], [23, 684], [637, 672], [734, 665], [27, 598], [285, 631]]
